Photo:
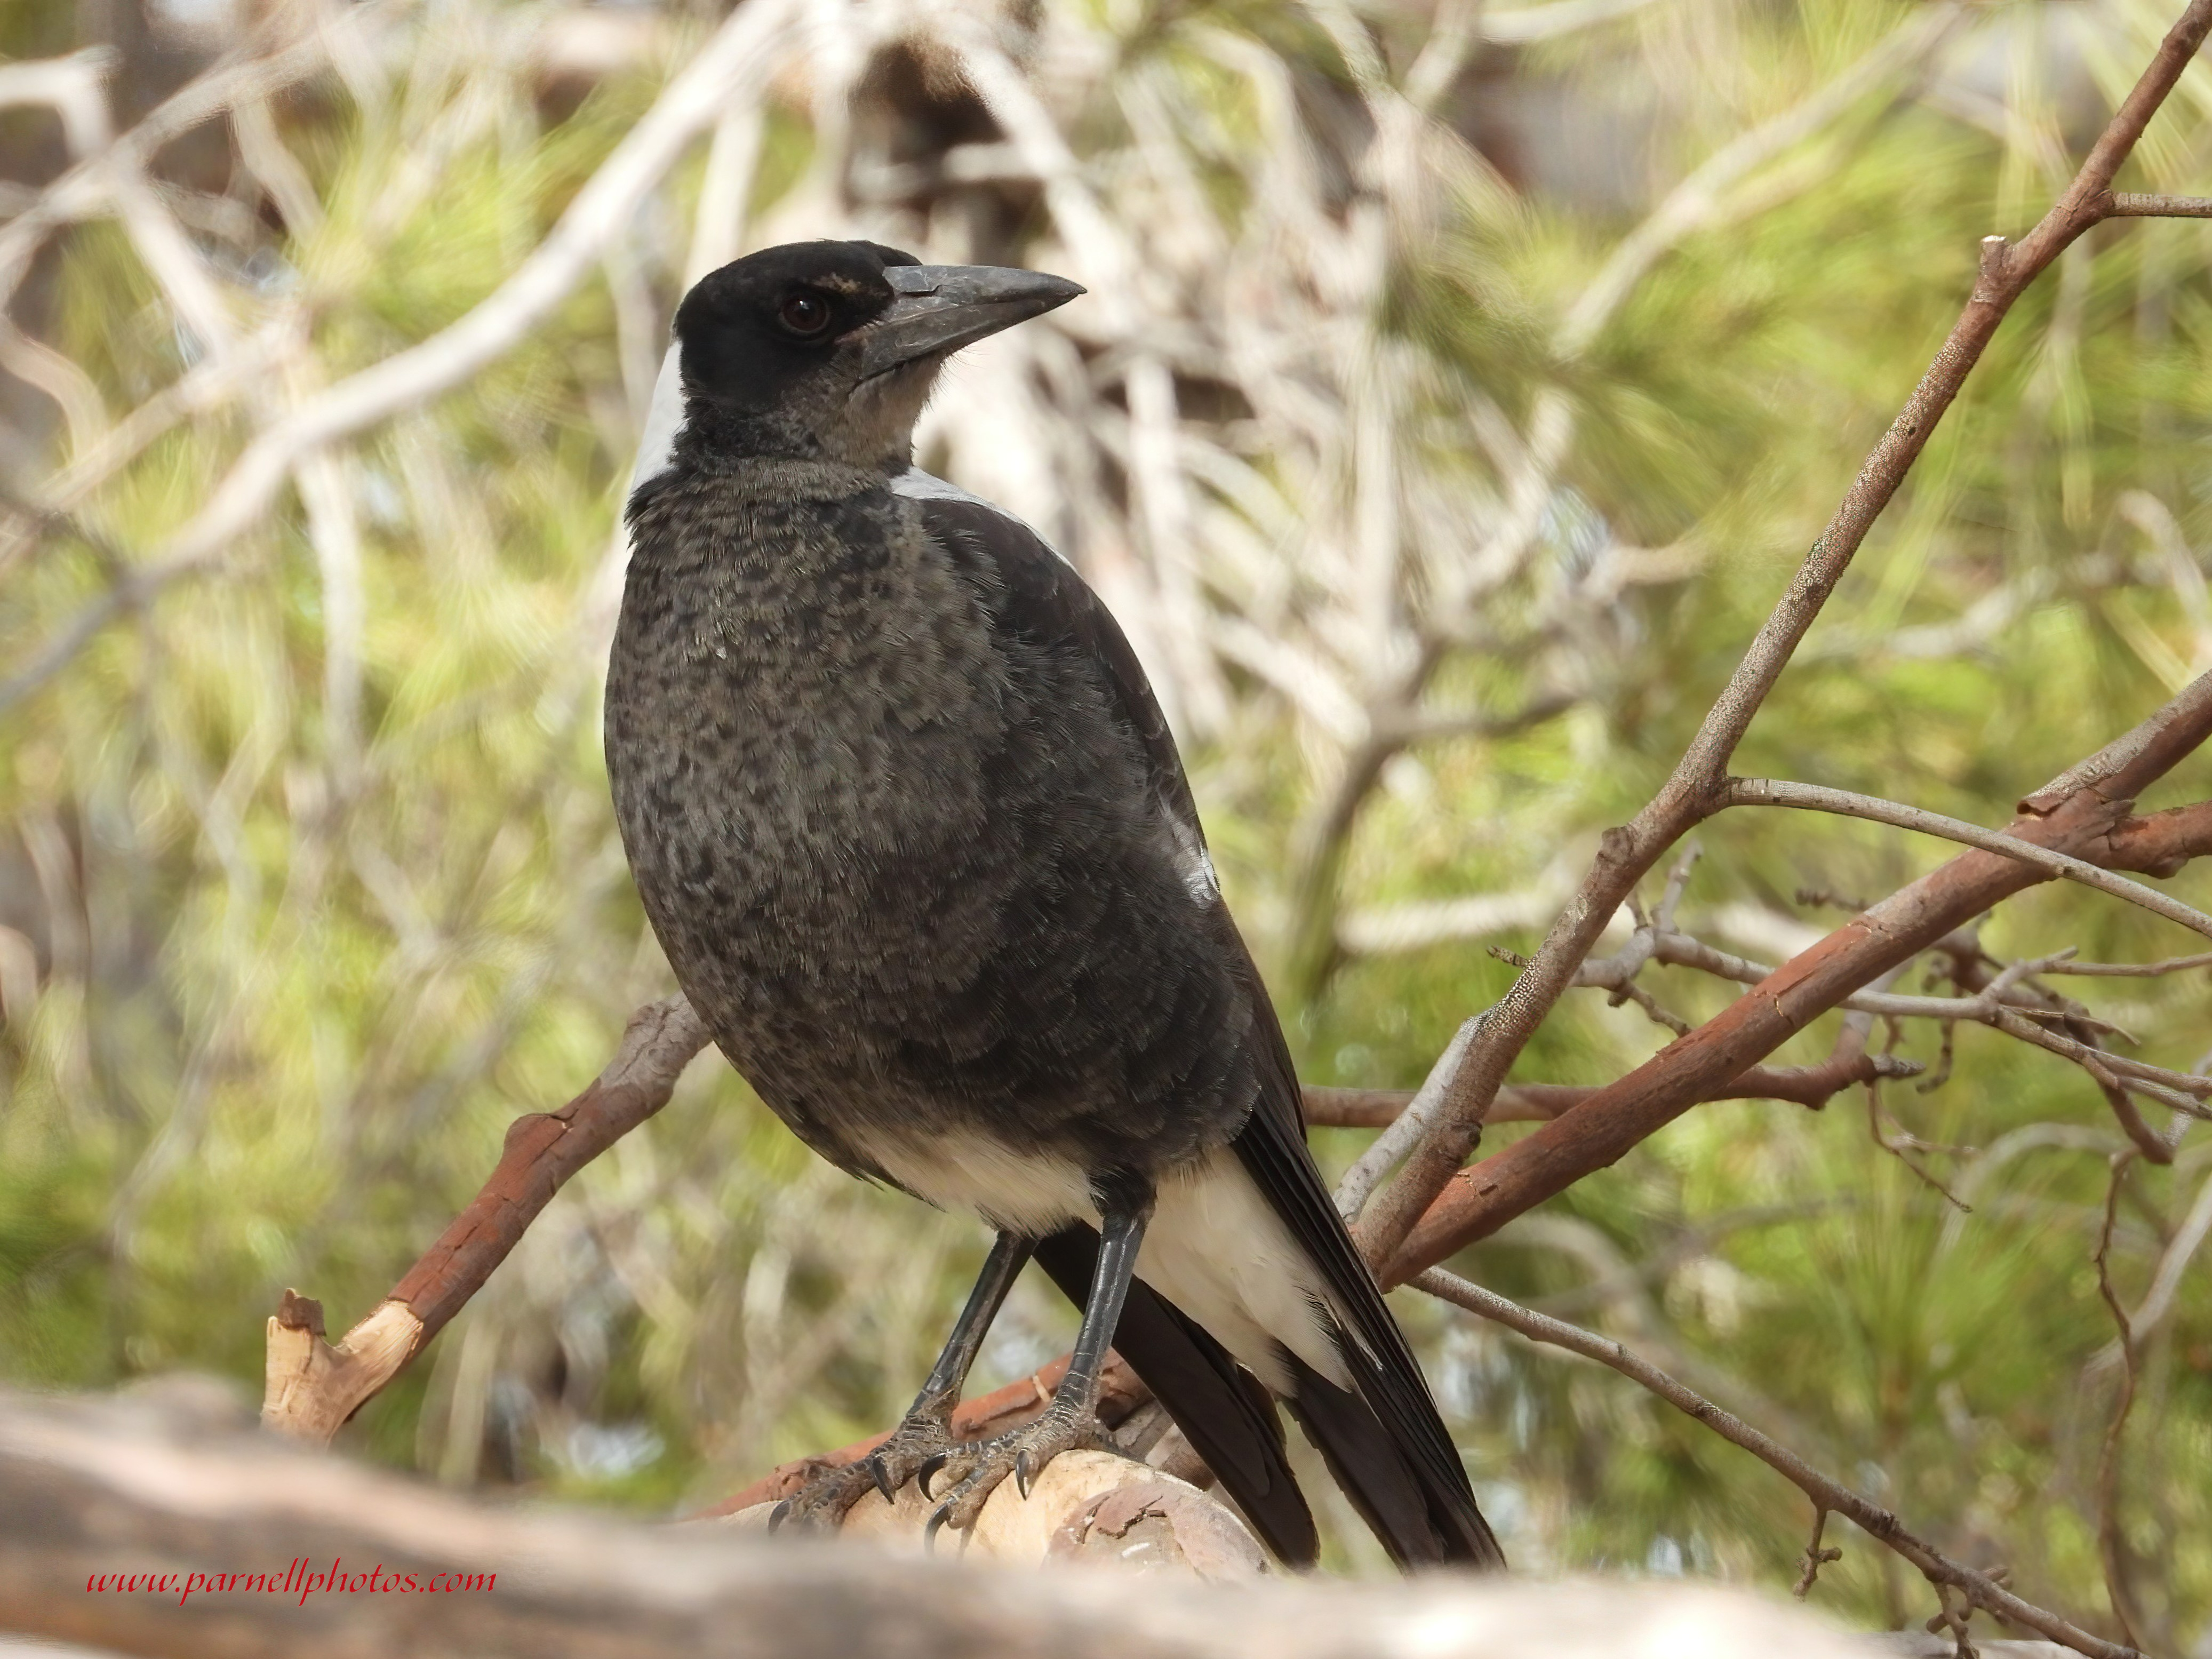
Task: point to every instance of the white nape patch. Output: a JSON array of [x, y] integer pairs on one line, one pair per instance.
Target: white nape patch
[[1030, 1193], [664, 419], [919, 486], [1217, 1251]]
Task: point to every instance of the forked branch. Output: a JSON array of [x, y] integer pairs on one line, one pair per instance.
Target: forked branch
[[1694, 790], [1697, 788]]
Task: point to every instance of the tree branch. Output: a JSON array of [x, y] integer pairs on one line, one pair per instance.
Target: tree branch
[[1539, 1102], [2161, 843], [1771, 792], [313, 1387], [2112, 1547], [1826, 1493]]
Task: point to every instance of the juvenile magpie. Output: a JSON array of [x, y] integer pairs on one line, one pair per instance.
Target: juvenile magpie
[[907, 820]]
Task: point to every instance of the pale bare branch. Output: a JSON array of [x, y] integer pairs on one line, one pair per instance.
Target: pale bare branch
[[1814, 797]]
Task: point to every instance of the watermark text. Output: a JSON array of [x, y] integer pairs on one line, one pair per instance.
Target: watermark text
[[300, 1577]]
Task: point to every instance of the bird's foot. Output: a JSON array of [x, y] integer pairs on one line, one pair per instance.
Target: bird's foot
[[917, 1443], [974, 1470]]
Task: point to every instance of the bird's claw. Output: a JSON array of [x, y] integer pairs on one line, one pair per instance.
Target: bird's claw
[[882, 1477], [916, 1444], [976, 1471], [937, 1517], [932, 1466]]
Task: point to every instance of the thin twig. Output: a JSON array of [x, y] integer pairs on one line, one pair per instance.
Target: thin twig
[[1808, 797], [1814, 1558], [1905, 1146], [2133, 970], [2111, 1548]]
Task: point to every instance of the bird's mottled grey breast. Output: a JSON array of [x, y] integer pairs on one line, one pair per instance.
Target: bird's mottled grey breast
[[882, 820]]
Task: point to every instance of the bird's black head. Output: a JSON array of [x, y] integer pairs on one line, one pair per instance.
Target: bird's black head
[[828, 351]]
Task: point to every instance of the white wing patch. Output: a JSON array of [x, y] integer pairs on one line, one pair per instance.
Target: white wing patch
[[916, 485]]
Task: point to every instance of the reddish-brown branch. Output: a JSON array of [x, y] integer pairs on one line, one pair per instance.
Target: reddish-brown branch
[[1627, 854], [1539, 1102], [542, 1150], [2081, 813], [314, 1386], [2161, 843]]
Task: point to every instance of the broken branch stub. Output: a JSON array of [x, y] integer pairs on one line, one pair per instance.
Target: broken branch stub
[[312, 1386]]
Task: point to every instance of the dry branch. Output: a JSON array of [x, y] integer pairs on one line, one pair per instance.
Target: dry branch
[[312, 1387], [2112, 1546], [1771, 792], [1539, 1102], [1828, 1494], [1695, 789], [93, 1488]]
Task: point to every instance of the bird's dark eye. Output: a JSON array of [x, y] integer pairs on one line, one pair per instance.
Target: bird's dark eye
[[805, 314]]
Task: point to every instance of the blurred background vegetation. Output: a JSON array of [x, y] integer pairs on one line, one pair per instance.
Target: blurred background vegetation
[[1456, 390]]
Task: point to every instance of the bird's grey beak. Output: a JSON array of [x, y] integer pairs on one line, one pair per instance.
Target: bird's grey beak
[[940, 308]]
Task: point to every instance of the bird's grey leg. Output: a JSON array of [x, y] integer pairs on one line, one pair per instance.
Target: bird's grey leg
[[926, 1432], [1125, 1205]]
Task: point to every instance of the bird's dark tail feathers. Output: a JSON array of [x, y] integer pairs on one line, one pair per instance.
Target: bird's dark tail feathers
[[1420, 1520], [1224, 1410]]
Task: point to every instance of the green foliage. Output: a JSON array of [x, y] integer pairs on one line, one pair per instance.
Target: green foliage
[[293, 986]]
